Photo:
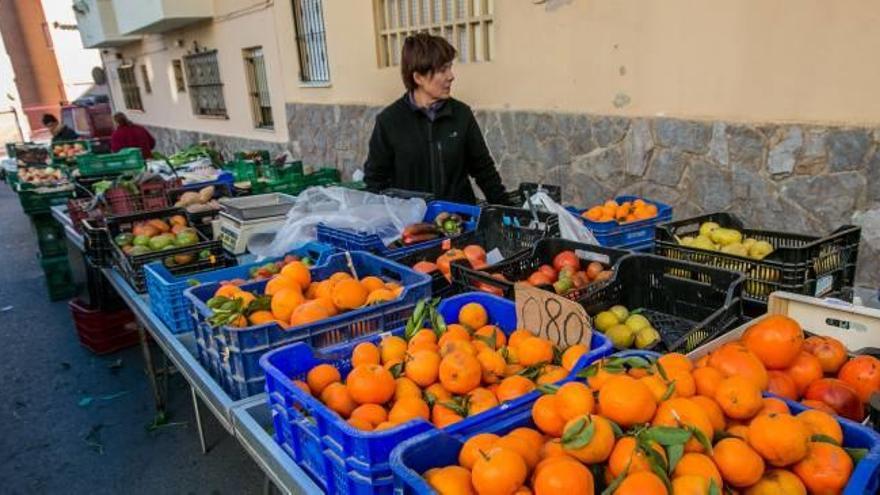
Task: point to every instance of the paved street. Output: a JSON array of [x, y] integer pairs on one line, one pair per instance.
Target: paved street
[[51, 440]]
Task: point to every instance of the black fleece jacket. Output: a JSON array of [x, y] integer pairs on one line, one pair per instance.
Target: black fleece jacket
[[409, 151]]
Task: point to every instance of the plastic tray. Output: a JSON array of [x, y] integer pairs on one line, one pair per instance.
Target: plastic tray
[[166, 289], [521, 266], [632, 235], [802, 264], [688, 304], [361, 241], [259, 206], [316, 437], [132, 267], [127, 159], [240, 349]]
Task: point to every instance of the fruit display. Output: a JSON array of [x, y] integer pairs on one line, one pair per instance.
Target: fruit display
[[818, 371], [200, 201], [269, 270], [569, 273], [626, 329], [291, 298], [67, 151], [640, 425], [150, 236], [625, 212], [445, 224], [475, 256], [443, 374], [713, 237], [42, 176]]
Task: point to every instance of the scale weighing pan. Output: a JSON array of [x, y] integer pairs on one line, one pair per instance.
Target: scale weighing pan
[[259, 206]]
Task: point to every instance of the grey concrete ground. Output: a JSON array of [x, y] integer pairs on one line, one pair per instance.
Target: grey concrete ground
[[51, 441]]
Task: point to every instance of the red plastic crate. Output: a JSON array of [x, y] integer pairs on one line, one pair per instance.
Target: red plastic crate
[[103, 332]]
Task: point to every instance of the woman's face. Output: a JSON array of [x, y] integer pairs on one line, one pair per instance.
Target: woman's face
[[437, 85]]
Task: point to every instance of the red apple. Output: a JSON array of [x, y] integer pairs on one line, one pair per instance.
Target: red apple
[[840, 396]]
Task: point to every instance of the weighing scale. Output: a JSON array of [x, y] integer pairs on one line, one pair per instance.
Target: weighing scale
[[242, 218]]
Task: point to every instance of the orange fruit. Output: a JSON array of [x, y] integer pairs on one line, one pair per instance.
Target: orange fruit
[[422, 367], [442, 416], [773, 405], [460, 372], [564, 476], [498, 472], [245, 297], [734, 359], [299, 273], [625, 453], [574, 399], [323, 289], [279, 282], [553, 448], [365, 353], [819, 406], [739, 431], [682, 412], [862, 373], [487, 333], [407, 409], [392, 348], [685, 385], [372, 283], [261, 317], [285, 301], [712, 410], [805, 370], [534, 350], [337, 398], [438, 392], [371, 413], [370, 384], [778, 482], [739, 464], [821, 423], [782, 384], [706, 380], [518, 336], [473, 316], [480, 399], [825, 469], [600, 444], [551, 374], [781, 439], [694, 464], [675, 361], [423, 339], [641, 483], [404, 387], [571, 356], [379, 296], [348, 294], [308, 312], [514, 386], [531, 435], [522, 447], [474, 447], [691, 484], [546, 415], [302, 386], [626, 401], [454, 332], [776, 340], [385, 426], [601, 376], [831, 352], [492, 364], [227, 290], [339, 276], [450, 346], [450, 480], [360, 424], [658, 386], [739, 397], [320, 376]]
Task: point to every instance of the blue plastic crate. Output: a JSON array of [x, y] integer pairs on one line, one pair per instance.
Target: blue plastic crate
[[360, 241], [166, 290], [301, 421], [437, 448], [632, 235], [239, 349]]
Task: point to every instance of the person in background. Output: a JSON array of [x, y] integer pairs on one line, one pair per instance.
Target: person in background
[[60, 132], [427, 141], [130, 135]]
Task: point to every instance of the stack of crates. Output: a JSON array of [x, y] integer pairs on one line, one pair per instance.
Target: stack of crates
[[52, 244]]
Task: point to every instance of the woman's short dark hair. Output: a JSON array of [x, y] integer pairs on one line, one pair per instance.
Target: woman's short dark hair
[[48, 118], [423, 53]]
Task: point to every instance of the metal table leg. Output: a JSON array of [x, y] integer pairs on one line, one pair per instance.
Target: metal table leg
[[198, 413], [158, 396]]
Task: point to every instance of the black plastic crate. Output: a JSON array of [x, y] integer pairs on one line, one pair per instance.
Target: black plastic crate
[[803, 264], [520, 267], [100, 293], [440, 286], [97, 243], [688, 304], [203, 220], [527, 189], [407, 194], [132, 267]]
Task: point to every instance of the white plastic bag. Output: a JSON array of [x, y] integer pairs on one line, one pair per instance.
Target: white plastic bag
[[341, 208], [570, 227]]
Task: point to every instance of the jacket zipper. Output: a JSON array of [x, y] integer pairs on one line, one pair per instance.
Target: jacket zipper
[[432, 161], [440, 173]]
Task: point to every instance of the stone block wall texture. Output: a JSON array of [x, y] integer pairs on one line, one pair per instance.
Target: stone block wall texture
[[796, 178]]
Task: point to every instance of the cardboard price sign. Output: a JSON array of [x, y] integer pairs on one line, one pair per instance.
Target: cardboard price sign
[[560, 320]]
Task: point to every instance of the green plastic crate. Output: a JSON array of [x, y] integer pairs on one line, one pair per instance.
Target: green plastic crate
[[59, 277], [126, 160], [50, 235], [242, 170], [323, 177], [87, 145], [243, 155], [35, 201], [289, 172]]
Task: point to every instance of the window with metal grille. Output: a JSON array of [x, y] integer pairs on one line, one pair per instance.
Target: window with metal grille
[[466, 24], [205, 86], [131, 93], [146, 77], [179, 81], [308, 20], [258, 87]]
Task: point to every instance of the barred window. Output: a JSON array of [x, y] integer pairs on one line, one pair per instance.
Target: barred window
[[466, 24], [146, 77], [205, 86], [308, 21], [258, 87], [131, 93], [179, 81]]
